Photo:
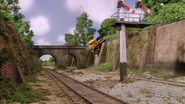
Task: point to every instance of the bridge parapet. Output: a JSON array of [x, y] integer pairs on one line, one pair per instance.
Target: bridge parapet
[[58, 47]]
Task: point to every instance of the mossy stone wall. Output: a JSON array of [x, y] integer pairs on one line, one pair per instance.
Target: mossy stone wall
[[161, 47], [87, 58], [14, 60], [110, 52], [137, 47], [170, 48]]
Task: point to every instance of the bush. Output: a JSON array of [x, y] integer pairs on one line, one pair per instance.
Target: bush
[[36, 64], [61, 66], [130, 32], [105, 67], [82, 65]]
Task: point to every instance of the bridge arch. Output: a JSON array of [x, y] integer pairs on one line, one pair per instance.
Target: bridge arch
[[49, 54], [59, 51], [76, 58]]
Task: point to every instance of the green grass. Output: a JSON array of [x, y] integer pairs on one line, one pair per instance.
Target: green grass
[[108, 77], [10, 91], [153, 72], [89, 82], [105, 67], [82, 65], [146, 91], [61, 66], [129, 95], [36, 63], [61, 95], [158, 74], [47, 63], [31, 79], [114, 36], [19, 97], [135, 72]]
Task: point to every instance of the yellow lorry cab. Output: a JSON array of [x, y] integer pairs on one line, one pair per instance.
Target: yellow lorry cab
[[95, 44]]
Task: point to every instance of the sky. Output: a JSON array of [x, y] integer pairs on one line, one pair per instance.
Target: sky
[[50, 20]]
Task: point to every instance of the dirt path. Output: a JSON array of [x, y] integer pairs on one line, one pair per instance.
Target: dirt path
[[57, 97]]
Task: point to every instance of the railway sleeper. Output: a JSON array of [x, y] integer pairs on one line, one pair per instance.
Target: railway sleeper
[[91, 99], [94, 99], [97, 101], [91, 96]]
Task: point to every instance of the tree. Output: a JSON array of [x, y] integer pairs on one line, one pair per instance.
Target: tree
[[169, 13], [155, 5], [10, 13], [51, 59], [40, 60], [71, 39], [75, 41], [83, 31], [7, 17], [10, 6], [106, 28], [68, 39]]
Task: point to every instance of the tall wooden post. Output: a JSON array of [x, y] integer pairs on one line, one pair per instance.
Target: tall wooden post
[[123, 54]]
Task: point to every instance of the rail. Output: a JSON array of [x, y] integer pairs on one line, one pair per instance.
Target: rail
[[87, 98], [174, 83]]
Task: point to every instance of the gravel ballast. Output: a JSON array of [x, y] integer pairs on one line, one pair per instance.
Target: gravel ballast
[[137, 92]]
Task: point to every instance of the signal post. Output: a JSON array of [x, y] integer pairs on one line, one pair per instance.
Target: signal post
[[123, 51], [122, 24]]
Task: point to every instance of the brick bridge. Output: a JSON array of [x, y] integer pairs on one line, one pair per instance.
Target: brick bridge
[[58, 52]]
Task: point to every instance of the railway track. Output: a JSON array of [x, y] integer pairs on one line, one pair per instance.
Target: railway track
[[174, 83], [79, 93]]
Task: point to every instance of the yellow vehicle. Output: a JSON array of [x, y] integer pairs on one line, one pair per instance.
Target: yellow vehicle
[[95, 44]]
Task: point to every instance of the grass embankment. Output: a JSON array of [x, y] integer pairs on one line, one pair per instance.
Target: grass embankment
[[151, 73], [114, 36], [105, 67], [10, 91]]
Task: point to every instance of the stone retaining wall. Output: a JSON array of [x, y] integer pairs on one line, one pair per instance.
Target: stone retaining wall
[[162, 47], [20, 63]]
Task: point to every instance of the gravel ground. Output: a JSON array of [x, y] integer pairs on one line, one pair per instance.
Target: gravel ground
[[134, 92]]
